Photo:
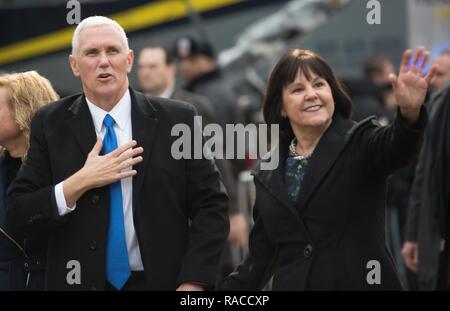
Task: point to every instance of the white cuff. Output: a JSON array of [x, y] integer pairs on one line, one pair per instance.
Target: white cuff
[[63, 209]]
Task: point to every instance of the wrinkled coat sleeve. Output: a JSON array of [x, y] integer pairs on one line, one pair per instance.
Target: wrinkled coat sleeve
[[31, 204], [208, 209], [391, 147]]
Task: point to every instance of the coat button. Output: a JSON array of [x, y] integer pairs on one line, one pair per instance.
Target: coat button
[[308, 251], [95, 199], [93, 245]]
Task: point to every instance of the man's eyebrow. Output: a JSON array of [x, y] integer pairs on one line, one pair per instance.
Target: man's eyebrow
[[89, 50], [117, 47]]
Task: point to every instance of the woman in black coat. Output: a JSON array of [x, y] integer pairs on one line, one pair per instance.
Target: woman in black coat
[[318, 221], [22, 261]]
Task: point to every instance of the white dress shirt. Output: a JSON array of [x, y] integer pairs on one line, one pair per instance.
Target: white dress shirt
[[121, 114]]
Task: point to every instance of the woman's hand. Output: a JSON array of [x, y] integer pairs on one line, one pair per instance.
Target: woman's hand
[[410, 88]]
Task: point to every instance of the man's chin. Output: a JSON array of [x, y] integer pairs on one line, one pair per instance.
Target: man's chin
[[106, 92]]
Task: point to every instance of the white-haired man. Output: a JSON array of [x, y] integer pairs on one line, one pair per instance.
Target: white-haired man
[[118, 216]]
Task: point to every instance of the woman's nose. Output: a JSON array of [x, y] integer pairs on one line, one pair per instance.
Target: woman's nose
[[310, 93]]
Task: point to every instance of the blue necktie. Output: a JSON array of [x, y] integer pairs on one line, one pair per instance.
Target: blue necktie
[[117, 264]]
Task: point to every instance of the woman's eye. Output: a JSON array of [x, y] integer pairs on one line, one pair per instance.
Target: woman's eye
[[319, 84]]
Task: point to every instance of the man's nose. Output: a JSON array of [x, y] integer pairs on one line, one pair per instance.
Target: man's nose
[[104, 61]]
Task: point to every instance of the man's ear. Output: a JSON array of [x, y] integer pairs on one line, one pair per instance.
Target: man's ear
[[74, 65], [172, 69], [130, 60]]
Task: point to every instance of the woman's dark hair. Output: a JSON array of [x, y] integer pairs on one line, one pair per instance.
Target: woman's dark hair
[[285, 72]]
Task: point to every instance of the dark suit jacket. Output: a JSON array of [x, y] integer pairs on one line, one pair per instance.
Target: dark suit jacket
[[206, 110], [180, 208], [326, 240], [22, 262], [428, 202], [221, 95]]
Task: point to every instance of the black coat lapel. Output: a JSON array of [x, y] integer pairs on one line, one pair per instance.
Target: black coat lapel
[[82, 125], [273, 180], [327, 151], [144, 126]]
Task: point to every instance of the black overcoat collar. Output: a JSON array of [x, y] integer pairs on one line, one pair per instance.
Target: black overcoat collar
[[324, 156]]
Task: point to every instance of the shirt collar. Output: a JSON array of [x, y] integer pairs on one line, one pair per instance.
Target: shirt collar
[[121, 112], [167, 92]]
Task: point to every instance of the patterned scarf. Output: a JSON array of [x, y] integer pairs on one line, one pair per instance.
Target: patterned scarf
[[295, 171]]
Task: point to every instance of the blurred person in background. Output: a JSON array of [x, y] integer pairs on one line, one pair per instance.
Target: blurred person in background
[[198, 69], [201, 75], [374, 95], [157, 77], [377, 69], [22, 260], [442, 76], [426, 249]]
